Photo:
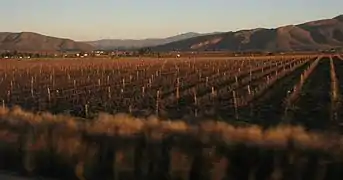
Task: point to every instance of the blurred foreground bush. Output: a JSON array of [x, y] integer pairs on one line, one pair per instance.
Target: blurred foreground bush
[[121, 147]]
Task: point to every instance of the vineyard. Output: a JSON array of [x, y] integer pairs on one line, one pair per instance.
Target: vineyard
[[170, 89], [185, 118]]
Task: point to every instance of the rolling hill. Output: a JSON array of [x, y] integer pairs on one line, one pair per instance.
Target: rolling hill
[[315, 35], [109, 44], [29, 41]]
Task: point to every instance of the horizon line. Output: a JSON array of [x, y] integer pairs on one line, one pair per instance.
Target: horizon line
[[168, 36]]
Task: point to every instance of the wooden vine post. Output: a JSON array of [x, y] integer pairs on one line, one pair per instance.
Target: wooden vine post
[[177, 89], [9, 93], [213, 92], [195, 100], [74, 84], [143, 91], [334, 93], [109, 96], [157, 102], [49, 95], [235, 103], [236, 80], [249, 90], [86, 110], [31, 90], [123, 83], [206, 81]]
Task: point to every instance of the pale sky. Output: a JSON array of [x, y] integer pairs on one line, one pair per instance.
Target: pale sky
[[138, 19]]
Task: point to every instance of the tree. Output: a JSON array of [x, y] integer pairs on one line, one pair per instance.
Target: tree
[[145, 51], [15, 53]]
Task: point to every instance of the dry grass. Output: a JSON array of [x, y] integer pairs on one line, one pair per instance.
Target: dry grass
[[122, 125], [64, 138]]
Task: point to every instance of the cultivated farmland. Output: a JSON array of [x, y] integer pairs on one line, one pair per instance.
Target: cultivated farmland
[[167, 88], [273, 117]]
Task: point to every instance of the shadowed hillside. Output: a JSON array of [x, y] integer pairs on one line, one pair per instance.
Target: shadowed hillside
[[315, 35], [109, 44], [28, 41]]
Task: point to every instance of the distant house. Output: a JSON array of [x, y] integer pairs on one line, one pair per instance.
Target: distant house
[[96, 53]]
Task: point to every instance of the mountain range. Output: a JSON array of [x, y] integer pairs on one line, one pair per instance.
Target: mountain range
[[314, 35], [29, 41], [108, 44]]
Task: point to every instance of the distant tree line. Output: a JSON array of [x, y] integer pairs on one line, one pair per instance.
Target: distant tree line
[[16, 54], [147, 51]]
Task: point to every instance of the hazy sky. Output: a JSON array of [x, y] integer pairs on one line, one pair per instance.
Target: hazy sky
[[99, 19]]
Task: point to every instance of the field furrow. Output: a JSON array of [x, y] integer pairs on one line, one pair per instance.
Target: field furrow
[[338, 63], [185, 119], [312, 109], [268, 109]]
